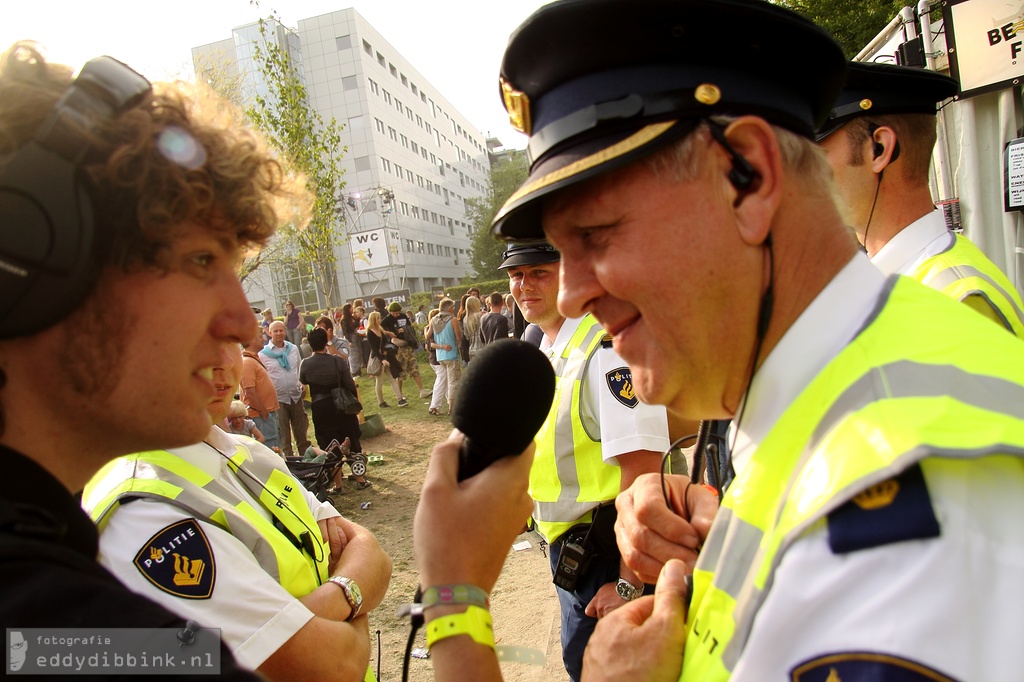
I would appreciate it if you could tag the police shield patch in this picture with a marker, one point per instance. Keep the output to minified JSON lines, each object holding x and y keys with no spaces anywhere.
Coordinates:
{"x":179,"y":561}
{"x":620,"y":383}
{"x":865,"y":666}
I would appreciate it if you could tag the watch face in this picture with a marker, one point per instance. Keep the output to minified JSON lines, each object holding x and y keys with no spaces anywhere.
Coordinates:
{"x":357,"y":594}
{"x":626,"y":590}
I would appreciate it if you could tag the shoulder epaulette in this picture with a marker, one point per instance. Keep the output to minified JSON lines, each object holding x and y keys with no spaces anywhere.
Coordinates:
{"x":894,"y":510}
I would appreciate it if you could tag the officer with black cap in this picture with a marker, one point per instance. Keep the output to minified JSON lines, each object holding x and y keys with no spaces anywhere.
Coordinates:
{"x":878,"y":425}
{"x":882,"y":127}
{"x":597,"y":439}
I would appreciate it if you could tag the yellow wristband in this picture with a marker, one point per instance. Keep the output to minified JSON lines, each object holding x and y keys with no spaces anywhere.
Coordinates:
{"x":475,"y":622}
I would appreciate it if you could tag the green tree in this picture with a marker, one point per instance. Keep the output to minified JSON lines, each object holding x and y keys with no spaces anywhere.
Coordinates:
{"x":313,"y":147}
{"x":505,"y":178}
{"x":853,"y":23}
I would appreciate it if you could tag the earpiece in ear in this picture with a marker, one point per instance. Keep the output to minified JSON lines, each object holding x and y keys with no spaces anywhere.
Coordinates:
{"x":742,"y":175}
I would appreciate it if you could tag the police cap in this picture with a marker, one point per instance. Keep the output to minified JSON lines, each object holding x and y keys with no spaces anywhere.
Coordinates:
{"x":529,"y":254}
{"x":874,"y":89}
{"x":598,"y":84}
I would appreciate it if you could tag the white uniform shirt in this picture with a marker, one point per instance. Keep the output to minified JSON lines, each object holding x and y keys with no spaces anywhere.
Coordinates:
{"x":621,"y":429}
{"x":255,"y":613}
{"x":286,"y":381}
{"x":925,"y":237}
{"x":950,"y":603}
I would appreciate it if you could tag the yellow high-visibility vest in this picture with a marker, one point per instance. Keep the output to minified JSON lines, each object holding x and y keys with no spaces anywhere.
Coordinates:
{"x":884,"y":404}
{"x":297,"y":563}
{"x":569,"y":476}
{"x":965,"y":274}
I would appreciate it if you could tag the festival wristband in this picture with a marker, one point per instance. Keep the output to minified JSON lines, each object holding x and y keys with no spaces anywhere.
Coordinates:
{"x":444,"y":595}
{"x":475,"y":622}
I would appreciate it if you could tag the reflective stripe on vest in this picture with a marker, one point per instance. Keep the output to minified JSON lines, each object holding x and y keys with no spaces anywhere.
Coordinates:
{"x":963,"y":270}
{"x":880,"y":406}
{"x":166,"y":477}
{"x":569,"y":477}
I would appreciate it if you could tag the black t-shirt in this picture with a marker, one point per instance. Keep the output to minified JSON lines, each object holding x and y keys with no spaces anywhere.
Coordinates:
{"x":494,"y":327}
{"x":49,"y":576}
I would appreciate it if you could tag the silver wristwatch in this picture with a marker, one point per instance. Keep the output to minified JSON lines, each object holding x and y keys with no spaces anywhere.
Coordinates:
{"x":353,"y":595}
{"x":627,"y":590}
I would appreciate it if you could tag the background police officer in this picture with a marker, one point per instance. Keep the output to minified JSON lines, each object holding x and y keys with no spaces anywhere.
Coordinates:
{"x":597,"y":439}
{"x":879,"y":139}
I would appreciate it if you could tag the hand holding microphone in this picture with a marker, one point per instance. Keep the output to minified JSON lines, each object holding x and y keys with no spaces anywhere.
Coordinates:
{"x":465,"y":522}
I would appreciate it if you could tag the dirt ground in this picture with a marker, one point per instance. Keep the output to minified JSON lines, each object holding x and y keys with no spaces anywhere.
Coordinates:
{"x":523,"y":604}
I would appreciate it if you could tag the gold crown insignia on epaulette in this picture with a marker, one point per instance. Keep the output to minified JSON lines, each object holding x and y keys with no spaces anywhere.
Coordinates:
{"x":606,"y":341}
{"x":878,"y":496}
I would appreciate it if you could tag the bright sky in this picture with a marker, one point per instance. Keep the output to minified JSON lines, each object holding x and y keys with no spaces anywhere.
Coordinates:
{"x":456,"y":44}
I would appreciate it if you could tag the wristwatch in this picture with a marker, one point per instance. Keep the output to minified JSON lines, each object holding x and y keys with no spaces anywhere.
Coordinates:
{"x":627,"y":590}
{"x":353,"y":595}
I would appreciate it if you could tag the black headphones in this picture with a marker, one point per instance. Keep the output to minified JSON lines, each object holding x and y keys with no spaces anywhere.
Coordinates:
{"x":742,"y":175}
{"x":877,"y":148}
{"x":49,"y":241}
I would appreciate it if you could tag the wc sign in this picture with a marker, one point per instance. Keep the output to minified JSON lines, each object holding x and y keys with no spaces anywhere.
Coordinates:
{"x":985,"y":41}
{"x":375,"y":249}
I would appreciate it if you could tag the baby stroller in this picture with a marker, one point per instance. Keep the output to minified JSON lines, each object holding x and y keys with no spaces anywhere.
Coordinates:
{"x":317,"y":475}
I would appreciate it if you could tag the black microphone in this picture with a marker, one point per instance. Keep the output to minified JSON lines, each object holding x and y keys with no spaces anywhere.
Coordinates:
{"x":504,"y":397}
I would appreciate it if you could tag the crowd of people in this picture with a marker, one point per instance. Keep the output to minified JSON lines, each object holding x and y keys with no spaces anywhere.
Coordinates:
{"x":736,"y":230}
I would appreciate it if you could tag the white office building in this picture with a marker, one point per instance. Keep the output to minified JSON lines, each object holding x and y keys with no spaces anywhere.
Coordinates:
{"x":411,"y":163}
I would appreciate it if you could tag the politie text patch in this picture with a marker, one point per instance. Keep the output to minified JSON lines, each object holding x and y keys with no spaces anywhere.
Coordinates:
{"x":620,"y":383}
{"x":179,"y":561}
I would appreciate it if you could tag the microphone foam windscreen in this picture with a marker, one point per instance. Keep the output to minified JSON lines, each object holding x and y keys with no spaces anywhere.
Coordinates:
{"x":504,"y":397}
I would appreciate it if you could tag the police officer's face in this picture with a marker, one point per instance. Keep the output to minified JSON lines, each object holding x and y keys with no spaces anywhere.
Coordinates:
{"x":659,"y":263}
{"x":855,"y":180}
{"x":535,"y":288}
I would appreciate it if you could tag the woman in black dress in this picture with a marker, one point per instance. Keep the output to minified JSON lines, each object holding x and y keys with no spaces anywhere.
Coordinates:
{"x":323,"y":372}
{"x":385,"y":352}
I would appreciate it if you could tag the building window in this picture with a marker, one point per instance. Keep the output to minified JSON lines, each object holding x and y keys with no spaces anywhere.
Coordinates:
{"x":415,"y":148}
{"x":394,"y":71}
{"x":381,"y":60}
{"x":419,"y":180}
{"x":349,"y":83}
{"x":416,"y":212}
{"x":408,"y":245}
{"x":404,"y":207}
{"x":385,"y":164}
{"x":408,"y":113}
{"x":405,"y":141}
{"x":374,"y":88}
{"x":387,"y":97}
{"x":430,"y":249}
{"x":415,"y":91}
{"x":393,"y":133}
{"x":408,"y":174}
{"x":398,"y":105}
{"x":420,"y":248}
{"x":362,"y":163}
{"x":380,"y":125}
{"x":430,"y":186}
{"x":398,"y":170}
{"x":419,"y":120}
{"x":344,"y":42}
{"x":367,"y":48}
{"x":405,"y":81}
{"x":423,"y":96}
{"x":423,"y":152}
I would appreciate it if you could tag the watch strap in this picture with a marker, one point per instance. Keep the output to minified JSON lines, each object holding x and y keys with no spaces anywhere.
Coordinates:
{"x":474,"y":621}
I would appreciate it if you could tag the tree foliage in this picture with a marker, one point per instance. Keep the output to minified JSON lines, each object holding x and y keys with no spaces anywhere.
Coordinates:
{"x":853,"y":23}
{"x":505,"y":178}
{"x":284,"y":115}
